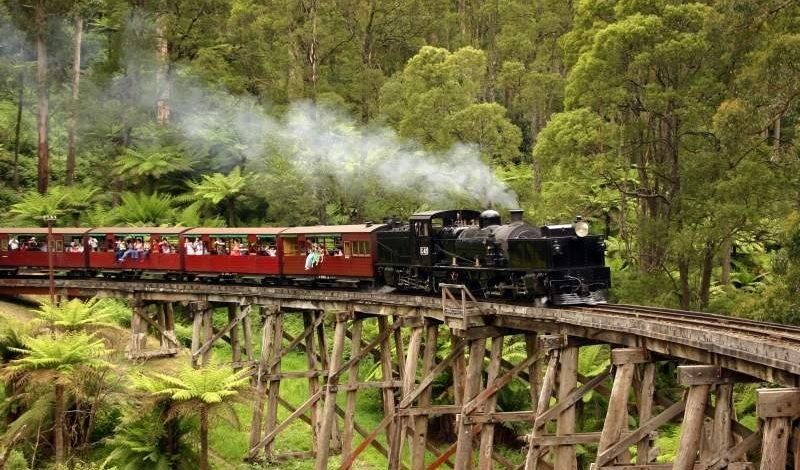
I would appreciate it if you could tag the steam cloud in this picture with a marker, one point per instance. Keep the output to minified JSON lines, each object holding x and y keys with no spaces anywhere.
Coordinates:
{"x":327,"y":144}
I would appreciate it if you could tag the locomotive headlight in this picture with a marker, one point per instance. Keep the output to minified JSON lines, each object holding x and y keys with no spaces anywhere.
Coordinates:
{"x":581,"y":227}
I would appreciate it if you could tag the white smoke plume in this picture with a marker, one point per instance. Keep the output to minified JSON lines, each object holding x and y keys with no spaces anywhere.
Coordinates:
{"x":324,"y":143}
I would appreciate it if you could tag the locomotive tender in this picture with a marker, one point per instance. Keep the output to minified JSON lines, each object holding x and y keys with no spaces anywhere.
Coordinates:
{"x":555,"y":264}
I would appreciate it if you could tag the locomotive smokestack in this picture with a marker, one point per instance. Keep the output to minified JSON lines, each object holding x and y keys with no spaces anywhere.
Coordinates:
{"x":516,"y":215}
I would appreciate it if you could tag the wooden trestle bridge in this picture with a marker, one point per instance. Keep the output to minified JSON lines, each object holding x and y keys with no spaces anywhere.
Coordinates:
{"x":711,"y":354}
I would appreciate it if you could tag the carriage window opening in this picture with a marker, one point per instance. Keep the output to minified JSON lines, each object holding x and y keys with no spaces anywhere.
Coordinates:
{"x":75,"y":245}
{"x":265,"y":245}
{"x":166,"y":244}
{"x":4,"y":244}
{"x":95,"y":242}
{"x":361,"y":248}
{"x":437,"y":223}
{"x":290,"y":246}
{"x":332,"y":244}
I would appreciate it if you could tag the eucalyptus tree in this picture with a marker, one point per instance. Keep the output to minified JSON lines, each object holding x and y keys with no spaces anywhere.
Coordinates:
{"x":646,"y":114}
{"x":436,"y":100}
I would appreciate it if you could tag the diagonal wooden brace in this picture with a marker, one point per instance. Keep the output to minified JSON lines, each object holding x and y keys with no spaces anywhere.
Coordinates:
{"x":207,"y":345}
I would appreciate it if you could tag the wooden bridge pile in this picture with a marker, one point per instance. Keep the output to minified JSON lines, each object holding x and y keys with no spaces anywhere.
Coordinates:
{"x":708,"y":362}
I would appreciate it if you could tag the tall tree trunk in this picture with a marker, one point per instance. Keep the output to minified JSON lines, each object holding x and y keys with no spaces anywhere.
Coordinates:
{"x":43,"y":168}
{"x":312,"y":49}
{"x":162,"y":75}
{"x":58,"y":428}
{"x":170,"y":438}
{"x":18,"y":127}
{"x":203,"y":437}
{"x":77,"y":38}
{"x":705,"y":278}
{"x":230,"y":210}
{"x":366,"y":62}
{"x":776,"y":138}
{"x":462,"y":22}
{"x":685,"y":294}
{"x":727,"y":250}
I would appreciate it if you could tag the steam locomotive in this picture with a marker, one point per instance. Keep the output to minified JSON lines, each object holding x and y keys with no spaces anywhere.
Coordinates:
{"x":557,"y":264}
{"x":554,"y":264}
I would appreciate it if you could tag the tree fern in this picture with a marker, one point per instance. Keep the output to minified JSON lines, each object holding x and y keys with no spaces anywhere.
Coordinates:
{"x":78,"y":315}
{"x":201,"y":391}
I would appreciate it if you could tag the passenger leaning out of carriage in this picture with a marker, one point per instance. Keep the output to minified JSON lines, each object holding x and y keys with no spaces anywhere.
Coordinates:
{"x":315,"y":256}
{"x":124,"y":250}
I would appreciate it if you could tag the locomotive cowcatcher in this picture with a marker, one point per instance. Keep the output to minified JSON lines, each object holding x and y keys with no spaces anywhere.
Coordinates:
{"x":556,"y":264}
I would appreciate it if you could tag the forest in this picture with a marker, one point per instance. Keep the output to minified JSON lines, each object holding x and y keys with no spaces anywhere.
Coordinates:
{"x":672,"y":126}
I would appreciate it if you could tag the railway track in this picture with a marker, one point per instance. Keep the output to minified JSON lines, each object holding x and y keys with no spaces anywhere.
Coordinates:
{"x":749,"y":327}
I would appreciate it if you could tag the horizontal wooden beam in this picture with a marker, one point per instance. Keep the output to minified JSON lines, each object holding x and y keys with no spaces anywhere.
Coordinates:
{"x":699,"y":375}
{"x":500,"y":417}
{"x":436,"y":410}
{"x":148,"y":354}
{"x":778,"y":403}
{"x":568,"y":440}
{"x":621,"y":356}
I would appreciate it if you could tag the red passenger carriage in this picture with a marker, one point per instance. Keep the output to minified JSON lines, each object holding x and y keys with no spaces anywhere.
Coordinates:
{"x":346,"y":252}
{"x":113,"y":249}
{"x":246,"y":252}
{"x":28,"y":248}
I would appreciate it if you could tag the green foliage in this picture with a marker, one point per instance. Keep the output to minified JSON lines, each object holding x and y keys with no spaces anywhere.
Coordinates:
{"x":143,"y":167}
{"x":209,"y":385}
{"x":435,"y":100}
{"x":12,"y":334}
{"x":67,"y":203}
{"x":78,"y":315}
{"x":144,"y":210}
{"x":140,"y":440}
{"x":61,"y":354}
{"x":213,"y":190}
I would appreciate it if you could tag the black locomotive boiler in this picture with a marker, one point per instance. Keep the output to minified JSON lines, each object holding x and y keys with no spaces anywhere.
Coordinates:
{"x":553,"y":264}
